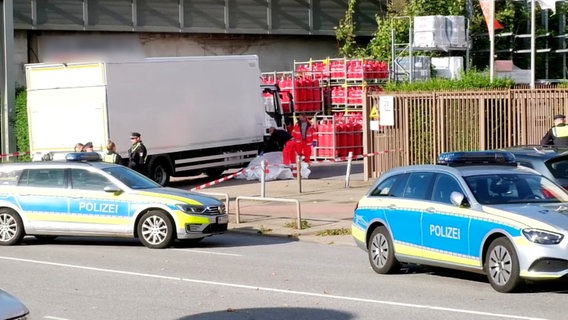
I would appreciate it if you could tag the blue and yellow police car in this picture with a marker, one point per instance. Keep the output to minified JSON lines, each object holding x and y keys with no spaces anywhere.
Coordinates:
{"x":473,"y":211}
{"x":86,"y":197}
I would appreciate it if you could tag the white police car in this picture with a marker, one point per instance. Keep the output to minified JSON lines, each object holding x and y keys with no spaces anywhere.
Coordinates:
{"x":93,"y":198}
{"x":475,"y":211}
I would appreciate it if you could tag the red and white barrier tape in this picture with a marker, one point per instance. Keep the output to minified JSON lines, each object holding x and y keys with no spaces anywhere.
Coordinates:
{"x":360,"y":156}
{"x":292,"y":167}
{"x":231,"y":176}
{"x":14,"y":154}
{"x":214,"y":182}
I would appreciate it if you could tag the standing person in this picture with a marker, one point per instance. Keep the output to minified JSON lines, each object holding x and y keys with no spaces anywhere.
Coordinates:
{"x":558,"y":134}
{"x":283,"y":141}
{"x":88,"y":147}
{"x":303,"y":134}
{"x":111,"y":156}
{"x":137,"y":154}
{"x":79,"y":147}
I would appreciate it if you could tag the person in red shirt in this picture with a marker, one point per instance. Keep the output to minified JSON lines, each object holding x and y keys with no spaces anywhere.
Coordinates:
{"x":303,"y":135}
{"x":282,"y":140}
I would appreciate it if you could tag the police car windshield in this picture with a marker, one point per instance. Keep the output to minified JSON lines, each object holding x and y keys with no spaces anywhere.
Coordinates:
{"x":514,"y":188}
{"x":131,"y":178}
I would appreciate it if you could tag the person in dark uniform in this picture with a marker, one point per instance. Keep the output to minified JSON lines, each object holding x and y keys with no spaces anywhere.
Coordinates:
{"x":282,"y":141}
{"x":557,"y":135}
{"x":278,"y":139}
{"x":137,"y":154}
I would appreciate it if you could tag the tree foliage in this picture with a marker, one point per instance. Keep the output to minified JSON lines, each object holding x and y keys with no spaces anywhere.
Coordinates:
{"x":513,"y":15}
{"x":21,"y":123}
{"x":345,"y":32}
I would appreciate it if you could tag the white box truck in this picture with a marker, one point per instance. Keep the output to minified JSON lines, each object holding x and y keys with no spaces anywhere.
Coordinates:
{"x":195,"y":114}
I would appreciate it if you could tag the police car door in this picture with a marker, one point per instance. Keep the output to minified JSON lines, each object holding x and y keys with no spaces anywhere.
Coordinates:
{"x":93,"y":209}
{"x":404,"y":212}
{"x":42,"y":195}
{"x":445,"y":226}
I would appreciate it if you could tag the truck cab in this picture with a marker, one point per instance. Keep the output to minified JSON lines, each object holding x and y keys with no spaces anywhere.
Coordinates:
{"x":275,"y":114}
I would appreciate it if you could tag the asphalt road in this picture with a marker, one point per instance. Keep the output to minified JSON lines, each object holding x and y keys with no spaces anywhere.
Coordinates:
{"x":239,"y":276}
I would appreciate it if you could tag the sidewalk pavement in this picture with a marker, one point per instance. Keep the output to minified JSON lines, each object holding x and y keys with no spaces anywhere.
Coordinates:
{"x":326,"y":205}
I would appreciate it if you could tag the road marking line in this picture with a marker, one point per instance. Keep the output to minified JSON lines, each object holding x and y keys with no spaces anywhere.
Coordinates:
{"x":208,"y":252}
{"x":54,"y":318}
{"x":255,"y":288}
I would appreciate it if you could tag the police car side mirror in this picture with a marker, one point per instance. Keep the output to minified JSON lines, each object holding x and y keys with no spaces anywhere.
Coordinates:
{"x":112,"y":189}
{"x":459,"y":200}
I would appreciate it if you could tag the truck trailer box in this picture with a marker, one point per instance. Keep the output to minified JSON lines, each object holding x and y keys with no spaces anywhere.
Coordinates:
{"x":195,"y":114}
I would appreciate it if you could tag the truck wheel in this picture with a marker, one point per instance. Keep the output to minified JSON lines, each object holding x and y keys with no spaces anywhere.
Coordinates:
{"x":214,"y":173}
{"x":156,"y":230}
{"x":160,"y":172}
{"x":11,"y":227}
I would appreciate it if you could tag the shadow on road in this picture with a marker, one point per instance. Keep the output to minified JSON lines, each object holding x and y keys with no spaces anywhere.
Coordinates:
{"x":285,"y":313}
{"x":226,"y":240}
{"x":552,"y":286}
{"x":235,"y":239}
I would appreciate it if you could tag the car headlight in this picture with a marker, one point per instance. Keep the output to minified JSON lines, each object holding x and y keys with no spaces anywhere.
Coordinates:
{"x":542,"y":237}
{"x":187,"y":208}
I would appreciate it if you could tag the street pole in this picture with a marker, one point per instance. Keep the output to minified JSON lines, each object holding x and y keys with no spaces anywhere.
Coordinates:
{"x":7,"y":85}
{"x":533,"y":44}
{"x":491,"y":25}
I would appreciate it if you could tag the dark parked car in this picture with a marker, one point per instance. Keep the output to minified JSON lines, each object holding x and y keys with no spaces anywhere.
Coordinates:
{"x":550,"y":161}
{"x":11,"y":308}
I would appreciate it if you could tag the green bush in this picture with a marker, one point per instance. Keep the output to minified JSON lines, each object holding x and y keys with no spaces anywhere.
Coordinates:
{"x":21,"y":124}
{"x":468,"y":81}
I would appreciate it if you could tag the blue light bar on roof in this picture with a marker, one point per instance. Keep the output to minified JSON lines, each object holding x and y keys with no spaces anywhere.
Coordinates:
{"x":83,"y":156}
{"x":477,"y":158}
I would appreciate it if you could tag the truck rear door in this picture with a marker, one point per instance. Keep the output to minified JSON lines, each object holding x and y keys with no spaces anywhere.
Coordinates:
{"x":66,"y":105}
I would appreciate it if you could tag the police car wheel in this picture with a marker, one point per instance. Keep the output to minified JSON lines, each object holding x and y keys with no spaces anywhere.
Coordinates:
{"x":156,"y":230}
{"x":11,"y":227}
{"x":502,"y":266}
{"x":381,"y":252}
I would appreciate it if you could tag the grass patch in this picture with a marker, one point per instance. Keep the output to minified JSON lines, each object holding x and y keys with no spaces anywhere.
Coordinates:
{"x":294,"y":224}
{"x":264,"y":230}
{"x":334,"y":232}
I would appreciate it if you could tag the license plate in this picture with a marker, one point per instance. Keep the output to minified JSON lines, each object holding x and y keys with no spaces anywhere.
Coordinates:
{"x":223,"y":219}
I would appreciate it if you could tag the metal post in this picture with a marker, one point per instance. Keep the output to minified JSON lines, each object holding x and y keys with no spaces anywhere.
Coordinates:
{"x":491,"y":25}
{"x":295,"y":201}
{"x":410,"y":52}
{"x":533,"y":44}
{"x":7,"y":85}
{"x":393,"y":56}
{"x":298,"y":172}
{"x":263,"y":179}
{"x":348,"y":171}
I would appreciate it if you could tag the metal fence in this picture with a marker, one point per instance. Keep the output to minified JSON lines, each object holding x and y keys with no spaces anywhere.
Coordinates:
{"x":426,"y":124}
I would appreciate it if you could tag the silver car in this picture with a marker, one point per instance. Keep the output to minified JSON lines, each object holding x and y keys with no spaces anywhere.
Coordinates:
{"x":11,"y":308}
{"x":474,"y":211}
{"x":93,"y":198}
